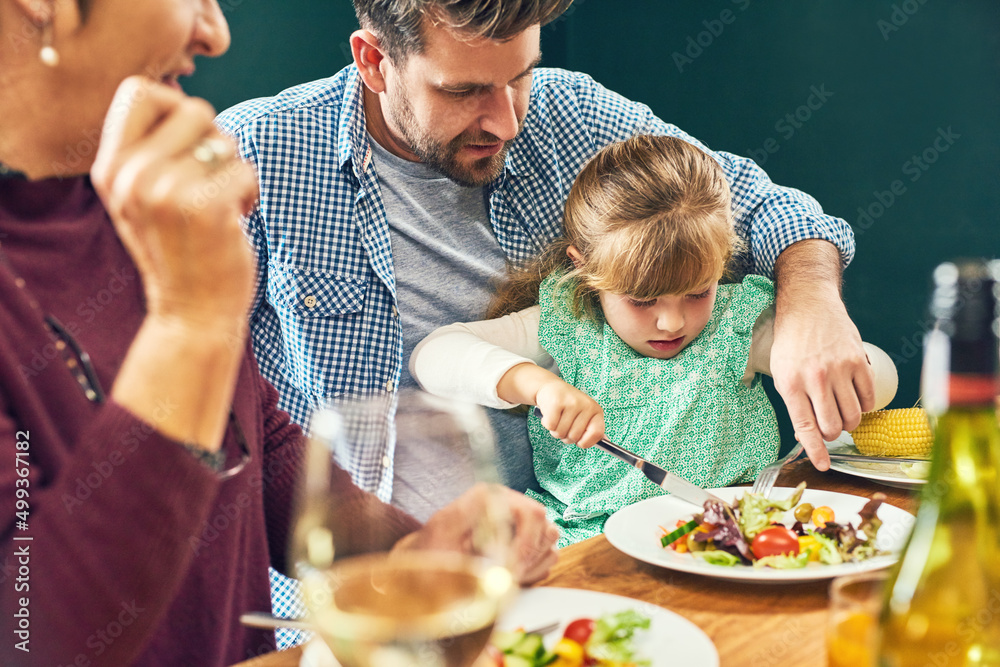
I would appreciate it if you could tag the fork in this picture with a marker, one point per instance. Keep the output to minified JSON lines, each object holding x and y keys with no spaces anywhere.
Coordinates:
{"x":769,"y":474}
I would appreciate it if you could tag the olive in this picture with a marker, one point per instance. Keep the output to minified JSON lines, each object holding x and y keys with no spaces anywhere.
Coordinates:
{"x":803,"y":512}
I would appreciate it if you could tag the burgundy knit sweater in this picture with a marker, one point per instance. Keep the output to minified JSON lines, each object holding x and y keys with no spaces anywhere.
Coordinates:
{"x":126,"y":549}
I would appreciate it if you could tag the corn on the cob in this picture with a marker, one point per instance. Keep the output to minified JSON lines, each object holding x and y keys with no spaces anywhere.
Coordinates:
{"x":902,"y":432}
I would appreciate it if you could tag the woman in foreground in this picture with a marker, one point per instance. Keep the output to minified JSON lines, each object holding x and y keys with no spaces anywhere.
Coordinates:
{"x":147,"y":469}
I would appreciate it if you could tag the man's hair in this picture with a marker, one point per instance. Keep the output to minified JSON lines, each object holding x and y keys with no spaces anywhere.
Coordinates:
{"x":398,"y":23}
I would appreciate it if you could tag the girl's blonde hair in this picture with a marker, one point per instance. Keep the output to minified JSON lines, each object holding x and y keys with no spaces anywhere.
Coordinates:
{"x":650,"y":215}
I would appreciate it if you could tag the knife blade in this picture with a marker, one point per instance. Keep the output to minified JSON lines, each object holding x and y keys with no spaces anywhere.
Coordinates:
{"x":861,"y":458}
{"x":663,"y":478}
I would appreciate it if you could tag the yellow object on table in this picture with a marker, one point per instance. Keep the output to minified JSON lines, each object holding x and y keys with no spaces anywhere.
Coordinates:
{"x":902,"y":432}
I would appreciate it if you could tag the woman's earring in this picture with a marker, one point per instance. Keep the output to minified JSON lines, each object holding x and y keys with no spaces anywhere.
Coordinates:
{"x":48,"y":55}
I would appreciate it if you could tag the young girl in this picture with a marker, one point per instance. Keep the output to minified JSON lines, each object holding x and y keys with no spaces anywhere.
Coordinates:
{"x":649,"y":348}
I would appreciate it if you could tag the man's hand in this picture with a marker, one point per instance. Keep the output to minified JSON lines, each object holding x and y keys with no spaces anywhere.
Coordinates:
{"x":531,"y":551}
{"x":818,"y":362}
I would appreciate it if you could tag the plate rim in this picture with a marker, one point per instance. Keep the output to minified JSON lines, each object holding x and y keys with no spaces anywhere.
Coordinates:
{"x":745,"y":574}
{"x":899,"y":482}
{"x":845,"y":443}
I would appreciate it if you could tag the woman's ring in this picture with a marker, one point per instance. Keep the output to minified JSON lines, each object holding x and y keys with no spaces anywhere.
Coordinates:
{"x":210,"y":152}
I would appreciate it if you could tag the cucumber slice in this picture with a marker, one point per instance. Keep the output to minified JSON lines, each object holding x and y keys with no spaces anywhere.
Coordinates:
{"x":510,"y":660}
{"x":677,"y":534}
{"x":530,"y":647}
{"x":506,"y":640}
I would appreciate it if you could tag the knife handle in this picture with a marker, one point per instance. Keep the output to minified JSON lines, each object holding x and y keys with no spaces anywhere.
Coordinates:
{"x":611,"y":448}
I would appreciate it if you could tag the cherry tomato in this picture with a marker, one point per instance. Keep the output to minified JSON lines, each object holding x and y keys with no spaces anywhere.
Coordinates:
{"x":580,"y":630}
{"x":491,"y":656}
{"x":822,"y":516}
{"x":775,"y":542}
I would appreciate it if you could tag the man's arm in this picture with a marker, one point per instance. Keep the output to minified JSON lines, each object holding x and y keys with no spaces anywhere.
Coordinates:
{"x":817,"y":360}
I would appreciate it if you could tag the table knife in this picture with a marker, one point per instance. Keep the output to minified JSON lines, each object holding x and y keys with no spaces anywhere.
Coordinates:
{"x":861,"y":458}
{"x":666,"y":480}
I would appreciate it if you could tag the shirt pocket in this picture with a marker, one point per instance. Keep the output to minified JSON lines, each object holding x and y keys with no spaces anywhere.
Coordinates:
{"x":320,"y":315}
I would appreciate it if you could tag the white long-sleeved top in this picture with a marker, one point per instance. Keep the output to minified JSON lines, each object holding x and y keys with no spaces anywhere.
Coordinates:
{"x":466,"y":360}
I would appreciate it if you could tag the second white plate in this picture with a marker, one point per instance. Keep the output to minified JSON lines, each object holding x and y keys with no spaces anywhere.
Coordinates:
{"x":671,"y":639}
{"x":634,"y":530}
{"x":890,"y":474}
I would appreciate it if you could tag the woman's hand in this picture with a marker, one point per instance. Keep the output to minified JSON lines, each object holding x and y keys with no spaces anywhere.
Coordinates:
{"x":176,"y":190}
{"x":532,"y":551}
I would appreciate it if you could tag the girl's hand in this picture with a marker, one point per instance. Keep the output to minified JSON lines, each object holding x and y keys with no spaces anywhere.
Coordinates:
{"x":175,"y":189}
{"x":569,"y":414}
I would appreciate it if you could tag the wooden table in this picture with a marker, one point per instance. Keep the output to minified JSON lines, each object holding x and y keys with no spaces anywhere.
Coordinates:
{"x":752,"y":625}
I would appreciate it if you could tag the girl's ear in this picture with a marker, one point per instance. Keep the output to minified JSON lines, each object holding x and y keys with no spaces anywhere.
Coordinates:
{"x":575,"y":255}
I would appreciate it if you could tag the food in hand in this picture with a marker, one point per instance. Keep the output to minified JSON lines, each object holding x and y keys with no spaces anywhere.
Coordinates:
{"x":751,"y":532}
{"x":904,"y":432}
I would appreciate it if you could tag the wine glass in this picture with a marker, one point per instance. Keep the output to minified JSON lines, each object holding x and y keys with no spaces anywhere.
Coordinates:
{"x":433,"y":606}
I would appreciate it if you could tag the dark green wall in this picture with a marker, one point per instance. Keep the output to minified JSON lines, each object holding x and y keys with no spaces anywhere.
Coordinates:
{"x":895,"y":77}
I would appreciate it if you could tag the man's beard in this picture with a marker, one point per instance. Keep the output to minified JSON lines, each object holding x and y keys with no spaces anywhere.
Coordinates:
{"x":443,"y":158}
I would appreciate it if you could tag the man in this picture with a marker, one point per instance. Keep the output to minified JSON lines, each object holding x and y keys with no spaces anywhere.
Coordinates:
{"x":393,"y":192}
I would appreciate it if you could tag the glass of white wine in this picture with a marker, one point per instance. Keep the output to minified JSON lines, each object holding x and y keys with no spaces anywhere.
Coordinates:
{"x":433,"y":607}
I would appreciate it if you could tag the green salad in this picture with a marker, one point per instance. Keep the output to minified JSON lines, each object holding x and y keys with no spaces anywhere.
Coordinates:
{"x":607,"y":641}
{"x":782,"y":534}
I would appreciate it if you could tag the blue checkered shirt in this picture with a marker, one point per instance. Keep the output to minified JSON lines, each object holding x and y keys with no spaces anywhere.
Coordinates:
{"x":324,"y":321}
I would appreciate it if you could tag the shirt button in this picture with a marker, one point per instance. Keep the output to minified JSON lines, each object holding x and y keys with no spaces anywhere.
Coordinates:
{"x":310,"y":301}
{"x":395,"y":313}
{"x":389,"y":385}
{"x":386,"y":461}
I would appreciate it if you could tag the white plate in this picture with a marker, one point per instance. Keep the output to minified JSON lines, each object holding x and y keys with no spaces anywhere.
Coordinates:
{"x":670,"y":640}
{"x":635,"y":531}
{"x":890,"y":474}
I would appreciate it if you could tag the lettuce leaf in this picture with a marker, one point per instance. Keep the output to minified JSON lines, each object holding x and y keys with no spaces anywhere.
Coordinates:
{"x":829,"y":551}
{"x":726,"y":534}
{"x":870,"y":523}
{"x":613,"y":635}
{"x":717,"y":557}
{"x":757,"y":512}
{"x":784,"y":561}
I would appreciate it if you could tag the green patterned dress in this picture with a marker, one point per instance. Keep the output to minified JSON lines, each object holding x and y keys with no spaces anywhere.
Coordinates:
{"x":691,"y":414}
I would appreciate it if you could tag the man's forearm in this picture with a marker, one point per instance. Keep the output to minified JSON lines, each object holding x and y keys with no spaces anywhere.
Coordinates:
{"x":807,"y":272}
{"x":818,"y":361}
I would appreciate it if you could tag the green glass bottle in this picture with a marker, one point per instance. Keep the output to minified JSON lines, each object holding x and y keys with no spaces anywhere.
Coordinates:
{"x":942,"y":605}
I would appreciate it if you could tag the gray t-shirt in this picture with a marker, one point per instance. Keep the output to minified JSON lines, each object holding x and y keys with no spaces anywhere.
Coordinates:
{"x":444,"y":254}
